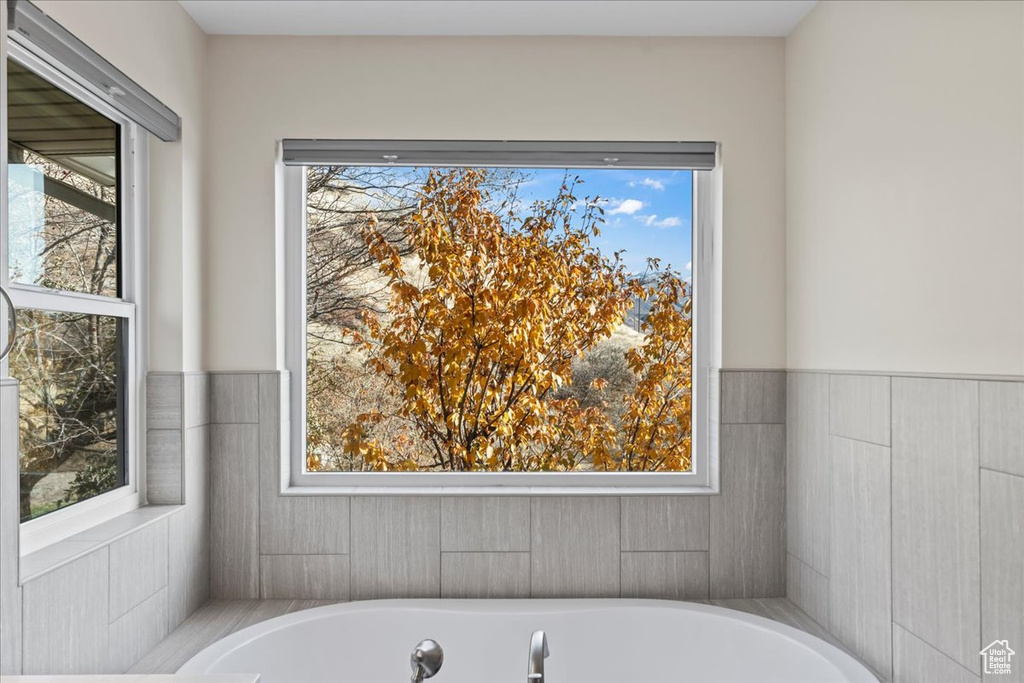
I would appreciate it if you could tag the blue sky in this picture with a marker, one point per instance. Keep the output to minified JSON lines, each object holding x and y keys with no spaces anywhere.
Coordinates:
{"x":647,"y":213}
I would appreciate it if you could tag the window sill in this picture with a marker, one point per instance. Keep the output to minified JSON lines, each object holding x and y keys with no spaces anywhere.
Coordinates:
{"x":68,"y":550}
{"x":499,"y":491}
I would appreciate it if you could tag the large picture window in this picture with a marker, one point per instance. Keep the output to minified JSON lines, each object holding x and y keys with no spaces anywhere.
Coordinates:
{"x":69,"y":260}
{"x":510,"y":323}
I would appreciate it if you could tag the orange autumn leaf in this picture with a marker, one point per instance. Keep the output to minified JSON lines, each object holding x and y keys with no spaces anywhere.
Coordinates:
{"x":479,"y":341}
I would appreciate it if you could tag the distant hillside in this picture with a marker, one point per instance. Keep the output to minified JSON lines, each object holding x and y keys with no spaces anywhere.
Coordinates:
{"x":639,"y":311}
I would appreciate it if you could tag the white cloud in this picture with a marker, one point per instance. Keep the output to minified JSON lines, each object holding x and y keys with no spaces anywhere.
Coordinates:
{"x":652,"y":221}
{"x":588,"y":203}
{"x":649,"y":182}
{"x":689,"y":265}
{"x":627,"y":206}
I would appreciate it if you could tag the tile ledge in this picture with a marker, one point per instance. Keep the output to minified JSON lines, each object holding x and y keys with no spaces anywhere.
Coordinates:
{"x":137,"y":678}
{"x":173,"y":373}
{"x":738,"y":370}
{"x":65,"y":551}
{"x":912,"y":375}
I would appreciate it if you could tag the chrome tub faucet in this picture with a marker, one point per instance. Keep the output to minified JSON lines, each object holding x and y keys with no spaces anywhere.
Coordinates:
{"x":538,"y":653}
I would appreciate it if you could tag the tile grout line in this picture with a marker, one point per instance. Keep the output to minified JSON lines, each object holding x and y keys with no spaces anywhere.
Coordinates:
{"x":109,"y":622}
{"x":664,"y":552}
{"x":21,"y":594}
{"x":830,"y":465}
{"x":892,"y":564}
{"x":259,"y":482}
{"x":529,"y":521}
{"x":181,"y":443}
{"x":349,"y":545}
{"x":981,"y":591}
{"x":934,"y":649}
{"x":440,"y":558}
{"x":865,"y":441}
{"x":167,"y":611}
{"x":184,"y":501}
{"x":797,"y":559}
{"x":1003,"y":472}
{"x":485,"y":552}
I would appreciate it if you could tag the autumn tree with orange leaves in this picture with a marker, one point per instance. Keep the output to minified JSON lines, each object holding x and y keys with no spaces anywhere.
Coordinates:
{"x":488,"y":310}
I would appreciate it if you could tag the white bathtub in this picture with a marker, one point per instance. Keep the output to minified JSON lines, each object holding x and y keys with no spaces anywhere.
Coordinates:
{"x":487,"y":641}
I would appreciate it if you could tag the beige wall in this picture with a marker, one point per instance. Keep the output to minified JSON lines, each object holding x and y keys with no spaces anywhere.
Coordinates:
{"x":905,"y":221}
{"x":262,"y":89}
{"x":158,"y":45}
{"x":891,"y":256}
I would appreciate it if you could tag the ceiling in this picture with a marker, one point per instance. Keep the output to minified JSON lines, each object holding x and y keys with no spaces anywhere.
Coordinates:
{"x":499,"y":17}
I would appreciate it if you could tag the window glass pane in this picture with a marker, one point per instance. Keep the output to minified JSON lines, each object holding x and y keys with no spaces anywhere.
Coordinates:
{"x":62,"y":188}
{"x":500,"y":319}
{"x":69,"y":368}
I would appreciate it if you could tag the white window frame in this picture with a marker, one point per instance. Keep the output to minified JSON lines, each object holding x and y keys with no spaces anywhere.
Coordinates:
{"x":59,"y":524}
{"x":702,"y":480}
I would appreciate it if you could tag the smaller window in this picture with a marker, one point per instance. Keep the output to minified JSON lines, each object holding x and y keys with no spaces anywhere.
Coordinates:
{"x":66,"y":258}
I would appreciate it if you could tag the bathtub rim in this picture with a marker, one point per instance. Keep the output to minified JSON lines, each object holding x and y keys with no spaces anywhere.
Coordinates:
{"x":849,"y":666}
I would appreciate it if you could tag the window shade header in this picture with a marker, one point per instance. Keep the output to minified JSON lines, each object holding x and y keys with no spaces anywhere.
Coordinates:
{"x":29,"y":26}
{"x":530,"y":154}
